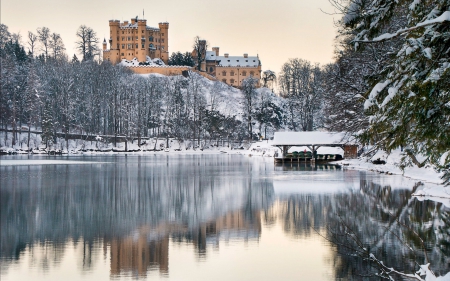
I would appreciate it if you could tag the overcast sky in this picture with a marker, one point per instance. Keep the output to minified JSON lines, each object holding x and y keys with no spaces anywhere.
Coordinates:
{"x":275,"y":30}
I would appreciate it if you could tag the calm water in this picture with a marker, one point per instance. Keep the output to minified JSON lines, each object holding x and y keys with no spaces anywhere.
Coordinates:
{"x":210,"y":217}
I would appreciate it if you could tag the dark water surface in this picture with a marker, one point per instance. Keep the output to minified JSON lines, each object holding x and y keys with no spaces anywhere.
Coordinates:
{"x":210,"y":217}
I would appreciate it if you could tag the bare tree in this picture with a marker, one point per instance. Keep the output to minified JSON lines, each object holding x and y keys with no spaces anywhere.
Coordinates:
{"x":199,"y":53}
{"x":87,"y":42}
{"x":56,"y":46}
{"x":5,"y":35}
{"x":32,"y":41}
{"x":44,"y":38}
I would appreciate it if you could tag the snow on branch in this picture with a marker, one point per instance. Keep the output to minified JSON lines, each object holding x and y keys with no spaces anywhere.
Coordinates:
{"x":445,"y":17}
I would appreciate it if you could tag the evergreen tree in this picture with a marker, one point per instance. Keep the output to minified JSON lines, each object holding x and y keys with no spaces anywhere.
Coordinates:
{"x":248,"y":89}
{"x":409,"y":101}
{"x":47,"y":125}
{"x":188,"y":59}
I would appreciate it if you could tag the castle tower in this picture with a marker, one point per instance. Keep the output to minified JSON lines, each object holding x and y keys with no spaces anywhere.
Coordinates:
{"x":164,"y":41}
{"x":113,"y":54}
{"x":141,"y":52}
{"x":104,"y":44}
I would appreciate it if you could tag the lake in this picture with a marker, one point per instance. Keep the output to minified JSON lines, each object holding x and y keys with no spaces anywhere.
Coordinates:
{"x":210,"y":217}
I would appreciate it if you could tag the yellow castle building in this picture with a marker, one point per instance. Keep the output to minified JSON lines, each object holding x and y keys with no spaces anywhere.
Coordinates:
{"x":129,"y":40}
{"x":145,"y":49}
{"x":231,"y":70}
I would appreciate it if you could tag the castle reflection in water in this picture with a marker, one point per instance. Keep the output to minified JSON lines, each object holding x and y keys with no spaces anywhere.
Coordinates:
{"x":148,"y":248}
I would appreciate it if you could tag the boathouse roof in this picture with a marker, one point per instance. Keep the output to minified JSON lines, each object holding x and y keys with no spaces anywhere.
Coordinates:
{"x":310,"y":138}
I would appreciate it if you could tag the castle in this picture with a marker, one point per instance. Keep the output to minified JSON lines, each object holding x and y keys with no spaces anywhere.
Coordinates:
{"x":135,"y":39}
{"x":231,"y":70}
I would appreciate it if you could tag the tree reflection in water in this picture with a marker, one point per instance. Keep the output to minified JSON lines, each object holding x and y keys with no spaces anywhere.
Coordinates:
{"x":133,"y":207}
{"x":398,"y":230}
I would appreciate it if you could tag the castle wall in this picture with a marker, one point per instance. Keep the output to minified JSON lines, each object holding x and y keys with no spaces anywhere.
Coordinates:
{"x":234,"y":76}
{"x":164,"y":70}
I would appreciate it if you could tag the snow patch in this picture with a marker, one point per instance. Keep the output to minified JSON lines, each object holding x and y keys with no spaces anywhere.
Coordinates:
{"x":374,"y":93}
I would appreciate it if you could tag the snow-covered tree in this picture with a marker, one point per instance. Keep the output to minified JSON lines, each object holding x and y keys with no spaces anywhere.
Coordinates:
{"x":302,"y":85}
{"x":268,"y":113}
{"x":248,"y":89}
{"x":269,"y":78}
{"x":408,"y":103}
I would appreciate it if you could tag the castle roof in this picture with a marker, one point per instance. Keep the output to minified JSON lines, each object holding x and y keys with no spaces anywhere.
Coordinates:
{"x":250,"y":61}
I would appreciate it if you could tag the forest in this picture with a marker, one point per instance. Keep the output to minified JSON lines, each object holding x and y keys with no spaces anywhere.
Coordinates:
{"x":388,"y":87}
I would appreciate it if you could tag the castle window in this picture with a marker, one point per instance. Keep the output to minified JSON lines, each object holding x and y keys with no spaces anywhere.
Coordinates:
{"x":117,"y":45}
{"x":136,"y":38}
{"x":252,"y":73}
{"x":210,"y":69}
{"x":143,"y":46}
{"x":231,"y":81}
{"x":224,"y":80}
{"x":129,"y":46}
{"x":162,"y":34}
{"x":151,"y":46}
{"x":129,"y":38}
{"x":123,"y":46}
{"x":142,"y":31}
{"x":123,"y":38}
{"x":237,"y":60}
{"x":122,"y":54}
{"x":137,"y":46}
{"x":162,"y":40}
{"x":224,"y":73}
{"x":162,"y":48}
{"x":244,"y":73}
{"x":232,"y":73}
{"x":246,"y":60}
{"x":150,"y":39}
{"x":122,"y":32}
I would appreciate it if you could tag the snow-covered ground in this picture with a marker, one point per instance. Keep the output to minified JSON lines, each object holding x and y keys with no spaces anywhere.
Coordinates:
{"x":425,"y":174}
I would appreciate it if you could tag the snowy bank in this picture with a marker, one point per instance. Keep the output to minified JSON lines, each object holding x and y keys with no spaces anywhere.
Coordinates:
{"x":392,"y":166}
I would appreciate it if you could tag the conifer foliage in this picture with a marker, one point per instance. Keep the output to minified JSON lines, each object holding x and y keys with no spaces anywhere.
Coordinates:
{"x":409,"y":103}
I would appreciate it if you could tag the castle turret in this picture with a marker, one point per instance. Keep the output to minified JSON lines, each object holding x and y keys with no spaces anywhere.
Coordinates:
{"x":104,"y":44}
{"x":164,"y":41}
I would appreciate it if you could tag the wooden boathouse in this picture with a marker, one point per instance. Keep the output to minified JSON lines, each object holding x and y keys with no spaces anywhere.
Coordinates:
{"x":312,"y":140}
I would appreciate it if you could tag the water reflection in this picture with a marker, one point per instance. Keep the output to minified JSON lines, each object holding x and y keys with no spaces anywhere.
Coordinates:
{"x":306,"y":166}
{"x":386,"y":221}
{"x":134,"y":204}
{"x":129,"y":212}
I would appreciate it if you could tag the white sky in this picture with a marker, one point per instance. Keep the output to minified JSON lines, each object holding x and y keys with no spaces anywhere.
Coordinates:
{"x":275,"y":30}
